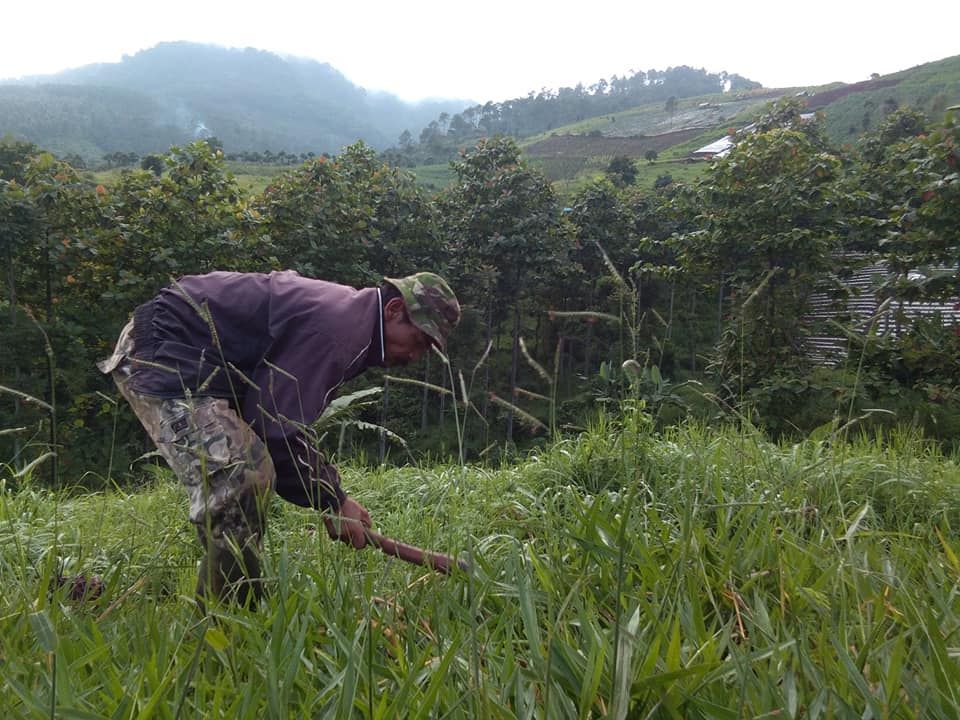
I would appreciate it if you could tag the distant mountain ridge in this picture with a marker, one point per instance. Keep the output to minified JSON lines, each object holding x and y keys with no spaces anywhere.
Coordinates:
{"x":175,"y":92}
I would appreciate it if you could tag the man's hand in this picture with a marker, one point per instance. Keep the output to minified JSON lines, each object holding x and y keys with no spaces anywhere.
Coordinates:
{"x":349,"y":524}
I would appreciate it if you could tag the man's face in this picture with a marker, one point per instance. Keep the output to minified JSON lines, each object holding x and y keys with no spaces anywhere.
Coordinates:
{"x":403,"y":342}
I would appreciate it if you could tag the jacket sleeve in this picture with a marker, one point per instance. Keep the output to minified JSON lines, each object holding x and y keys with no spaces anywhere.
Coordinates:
{"x":286,"y":398}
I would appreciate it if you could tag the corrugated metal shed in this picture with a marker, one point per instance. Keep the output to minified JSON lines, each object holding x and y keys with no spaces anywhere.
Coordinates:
{"x":718,"y":148}
{"x":859,"y":306}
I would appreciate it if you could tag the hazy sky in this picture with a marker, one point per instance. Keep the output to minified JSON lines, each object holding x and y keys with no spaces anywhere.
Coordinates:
{"x":498,"y":49}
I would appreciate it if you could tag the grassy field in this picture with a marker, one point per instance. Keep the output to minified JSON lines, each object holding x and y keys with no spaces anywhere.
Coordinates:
{"x":569,"y":167}
{"x":434,"y":177}
{"x":693,"y":574}
{"x":930,"y":89}
{"x":653,"y":118}
{"x":252,"y":178}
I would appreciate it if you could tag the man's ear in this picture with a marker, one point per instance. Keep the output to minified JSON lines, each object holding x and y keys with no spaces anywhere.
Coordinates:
{"x":394,"y":309}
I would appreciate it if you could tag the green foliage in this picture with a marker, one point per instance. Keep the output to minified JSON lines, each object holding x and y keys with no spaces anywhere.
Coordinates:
{"x":648,"y":566}
{"x":153,"y":228}
{"x":507,"y":237}
{"x":696,"y":574}
{"x":786,"y":114}
{"x":153,"y":163}
{"x":504,"y":219}
{"x":14,"y":155}
{"x":350,"y":219}
{"x":622,"y":171}
{"x":929,"y":88}
{"x":342,"y":415}
{"x":80,"y":256}
{"x":923,"y":356}
{"x":927,"y":216}
{"x":900,"y":125}
{"x":767,"y":226}
{"x":662,"y":181}
{"x":601,"y":214}
{"x":87,"y":256}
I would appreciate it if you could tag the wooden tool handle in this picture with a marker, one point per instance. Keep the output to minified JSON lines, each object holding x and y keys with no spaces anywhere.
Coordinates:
{"x":413,"y":554}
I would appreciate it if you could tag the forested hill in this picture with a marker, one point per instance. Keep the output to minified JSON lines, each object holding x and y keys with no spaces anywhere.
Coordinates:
{"x":549,"y":109}
{"x":250,"y":99}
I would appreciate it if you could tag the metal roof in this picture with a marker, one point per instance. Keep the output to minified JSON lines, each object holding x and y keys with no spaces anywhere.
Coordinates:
{"x":859,"y":306}
{"x":718,"y":148}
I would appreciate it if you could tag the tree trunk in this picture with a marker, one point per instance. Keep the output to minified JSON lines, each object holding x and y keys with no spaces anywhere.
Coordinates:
{"x":691,"y":333}
{"x":47,"y":279}
{"x":514,"y":365}
{"x":486,"y":374}
{"x":536,"y":335}
{"x":720,"y":310}
{"x":673,"y":293}
{"x":51,"y":376}
{"x":566,"y":364}
{"x":12,"y":287}
{"x":588,"y":346}
{"x":634,"y":349}
{"x":52,"y":403}
{"x":669,"y":331}
{"x":588,"y":351}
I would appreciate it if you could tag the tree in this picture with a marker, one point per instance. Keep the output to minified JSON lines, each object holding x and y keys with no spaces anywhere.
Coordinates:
{"x":19,"y":228}
{"x":75,"y":160}
{"x":923,"y":230}
{"x":671,"y":107}
{"x":767,"y":227}
{"x":878,"y":179}
{"x":604,"y":224}
{"x":214,"y":143}
{"x":459,"y":127}
{"x":622,"y":171}
{"x":650,"y":156}
{"x":662,"y":181}
{"x":350,"y":219}
{"x":63,"y":208}
{"x":155,"y":228}
{"x":505,"y":224}
{"x":896,"y":126}
{"x":153,"y":163}
{"x":120,"y":159}
{"x":14,"y":157}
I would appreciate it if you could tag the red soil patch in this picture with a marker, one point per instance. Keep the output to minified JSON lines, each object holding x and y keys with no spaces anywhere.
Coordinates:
{"x":822,"y":99}
{"x":584,"y":146}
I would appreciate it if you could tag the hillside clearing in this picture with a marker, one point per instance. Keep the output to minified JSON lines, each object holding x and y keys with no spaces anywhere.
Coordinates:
{"x":586,"y":146}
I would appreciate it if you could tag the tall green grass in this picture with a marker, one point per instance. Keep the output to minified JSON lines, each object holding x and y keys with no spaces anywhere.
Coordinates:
{"x":694,"y":574}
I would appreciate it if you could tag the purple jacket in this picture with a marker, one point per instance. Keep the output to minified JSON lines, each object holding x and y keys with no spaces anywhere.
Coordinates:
{"x":275,"y":345}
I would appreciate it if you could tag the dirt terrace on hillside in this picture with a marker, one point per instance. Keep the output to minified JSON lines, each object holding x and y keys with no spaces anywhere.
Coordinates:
{"x":822,"y":99}
{"x":582,"y":146}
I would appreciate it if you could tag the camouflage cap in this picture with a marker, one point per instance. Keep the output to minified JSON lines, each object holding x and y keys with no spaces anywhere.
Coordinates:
{"x":430,"y":302}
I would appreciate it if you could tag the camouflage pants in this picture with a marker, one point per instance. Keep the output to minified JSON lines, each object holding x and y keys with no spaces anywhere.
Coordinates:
{"x":225,"y":468}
